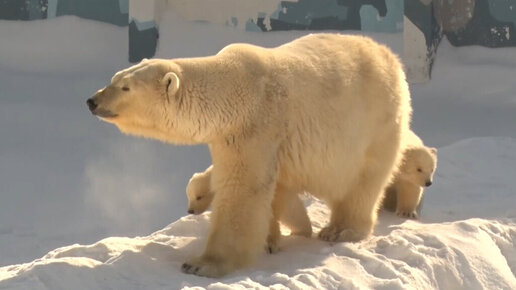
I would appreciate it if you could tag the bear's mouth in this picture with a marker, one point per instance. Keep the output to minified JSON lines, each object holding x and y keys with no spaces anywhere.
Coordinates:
{"x":103,"y":113}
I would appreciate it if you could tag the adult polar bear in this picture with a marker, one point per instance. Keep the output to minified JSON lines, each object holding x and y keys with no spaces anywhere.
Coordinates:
{"x":325,"y":113}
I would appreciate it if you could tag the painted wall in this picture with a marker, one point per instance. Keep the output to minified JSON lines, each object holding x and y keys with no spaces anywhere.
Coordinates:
{"x":423,"y":22}
{"x":479,"y":22}
{"x":274,"y":15}
{"x":111,"y":11}
{"x":23,"y":10}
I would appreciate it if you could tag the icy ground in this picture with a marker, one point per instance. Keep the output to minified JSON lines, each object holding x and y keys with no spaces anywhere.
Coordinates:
{"x":68,"y":179}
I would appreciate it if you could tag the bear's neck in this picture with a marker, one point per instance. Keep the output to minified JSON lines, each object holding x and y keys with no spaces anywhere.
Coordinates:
{"x":203,"y":91}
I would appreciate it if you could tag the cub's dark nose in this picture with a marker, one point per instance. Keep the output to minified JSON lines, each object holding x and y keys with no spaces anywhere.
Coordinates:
{"x":428,"y":183}
{"x":190,"y":211}
{"x":91,"y":104}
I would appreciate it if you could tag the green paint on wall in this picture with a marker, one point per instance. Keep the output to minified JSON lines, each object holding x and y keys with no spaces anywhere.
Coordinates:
{"x":124,"y":6}
{"x":145,"y":25}
{"x":304,"y":11}
{"x":391,"y":23}
{"x":251,"y":26}
{"x":37,"y":9}
{"x":503,"y":10}
{"x":52,"y":8}
{"x":102,"y":10}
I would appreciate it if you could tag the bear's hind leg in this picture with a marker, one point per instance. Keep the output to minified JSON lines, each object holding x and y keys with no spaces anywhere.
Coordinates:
{"x":274,"y":236}
{"x":353,"y":217}
{"x":294,"y":215}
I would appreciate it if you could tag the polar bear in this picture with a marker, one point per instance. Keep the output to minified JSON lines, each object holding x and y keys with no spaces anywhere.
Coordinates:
{"x":416,"y":172}
{"x":290,"y":210}
{"x":325,"y":113}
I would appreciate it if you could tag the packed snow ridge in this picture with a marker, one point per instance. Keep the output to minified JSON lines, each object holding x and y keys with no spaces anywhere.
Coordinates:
{"x":473,"y":253}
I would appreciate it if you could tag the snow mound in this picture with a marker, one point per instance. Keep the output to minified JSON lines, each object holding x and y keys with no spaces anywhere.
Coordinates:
{"x":469,"y":254}
{"x":474,"y":178}
{"x":465,"y":240}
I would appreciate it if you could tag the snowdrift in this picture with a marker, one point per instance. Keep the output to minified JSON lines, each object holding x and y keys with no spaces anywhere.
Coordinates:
{"x":449,"y":253}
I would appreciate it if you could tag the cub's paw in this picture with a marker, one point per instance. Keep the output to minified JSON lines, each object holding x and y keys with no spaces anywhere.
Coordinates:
{"x":332,"y":234}
{"x":407,"y":214}
{"x":272,"y":247}
{"x":329,"y":234}
{"x":206,"y":267}
{"x":302,"y":232}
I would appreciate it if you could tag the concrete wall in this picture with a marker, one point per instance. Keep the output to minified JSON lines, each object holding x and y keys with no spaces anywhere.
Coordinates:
{"x":111,"y":11}
{"x":423,"y":22}
{"x":23,"y":10}
{"x":468,"y":22}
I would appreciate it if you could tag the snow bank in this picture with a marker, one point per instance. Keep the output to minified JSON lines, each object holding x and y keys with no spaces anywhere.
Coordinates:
{"x":472,"y":93}
{"x":474,"y":253}
{"x":470,"y":254}
{"x":474,"y":178}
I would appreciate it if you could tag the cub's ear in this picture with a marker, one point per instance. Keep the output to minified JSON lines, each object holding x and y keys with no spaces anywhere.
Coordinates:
{"x":170,"y":83}
{"x":433,"y":150}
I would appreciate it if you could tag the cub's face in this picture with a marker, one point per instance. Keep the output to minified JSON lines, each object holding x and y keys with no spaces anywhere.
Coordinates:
{"x":199,"y":202}
{"x":198,"y":193}
{"x":136,"y":99}
{"x":419,"y":166}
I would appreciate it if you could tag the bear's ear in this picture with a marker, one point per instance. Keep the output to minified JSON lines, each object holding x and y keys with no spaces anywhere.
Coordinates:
{"x":170,"y":83}
{"x":433,"y":150}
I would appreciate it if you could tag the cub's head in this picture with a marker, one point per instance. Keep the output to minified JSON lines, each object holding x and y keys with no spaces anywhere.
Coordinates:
{"x":199,"y":194}
{"x":138,"y":98}
{"x":419,"y":165}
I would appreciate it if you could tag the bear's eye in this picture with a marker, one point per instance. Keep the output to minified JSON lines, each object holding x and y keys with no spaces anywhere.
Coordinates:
{"x":199,"y":198}
{"x":419,"y":170}
{"x":125,"y":89}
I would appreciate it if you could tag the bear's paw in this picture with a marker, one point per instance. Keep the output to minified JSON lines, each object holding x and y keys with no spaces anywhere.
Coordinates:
{"x":407,"y":214}
{"x":206,"y":267}
{"x":333,"y":234}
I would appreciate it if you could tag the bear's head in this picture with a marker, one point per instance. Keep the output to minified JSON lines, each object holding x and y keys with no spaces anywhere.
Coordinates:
{"x":139,"y":100}
{"x":419,"y":165}
{"x":198,"y":194}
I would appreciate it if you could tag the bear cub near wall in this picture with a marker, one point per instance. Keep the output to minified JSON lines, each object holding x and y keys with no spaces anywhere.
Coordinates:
{"x":415,"y":173}
{"x":325,"y":114}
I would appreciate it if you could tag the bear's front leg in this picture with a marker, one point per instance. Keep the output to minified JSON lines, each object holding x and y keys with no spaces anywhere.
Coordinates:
{"x":408,"y":198}
{"x":244,"y":180}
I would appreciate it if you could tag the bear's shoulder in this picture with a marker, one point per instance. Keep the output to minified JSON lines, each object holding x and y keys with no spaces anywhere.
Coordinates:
{"x":243,"y":49}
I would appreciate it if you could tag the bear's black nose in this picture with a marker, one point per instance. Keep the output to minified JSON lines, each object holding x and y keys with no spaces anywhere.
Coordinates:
{"x":428,"y":183}
{"x":190,"y":211}
{"x":91,"y":104}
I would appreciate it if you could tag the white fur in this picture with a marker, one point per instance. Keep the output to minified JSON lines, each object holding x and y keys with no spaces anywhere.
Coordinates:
{"x":199,"y":193}
{"x":325,"y":113}
{"x":287,"y":208}
{"x":416,"y":172}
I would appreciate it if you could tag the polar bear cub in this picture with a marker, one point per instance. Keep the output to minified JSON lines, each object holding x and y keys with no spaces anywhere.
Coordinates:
{"x":287,"y":208}
{"x":198,"y":192}
{"x":416,"y":172}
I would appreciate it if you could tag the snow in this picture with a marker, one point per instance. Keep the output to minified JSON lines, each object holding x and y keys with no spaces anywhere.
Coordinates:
{"x":85,"y":207}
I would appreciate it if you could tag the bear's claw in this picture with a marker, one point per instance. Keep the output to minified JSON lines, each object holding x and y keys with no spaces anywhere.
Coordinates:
{"x":332,"y":234}
{"x":272,"y":248}
{"x":189,"y":269}
{"x":407,"y":214}
{"x":206,"y":267}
